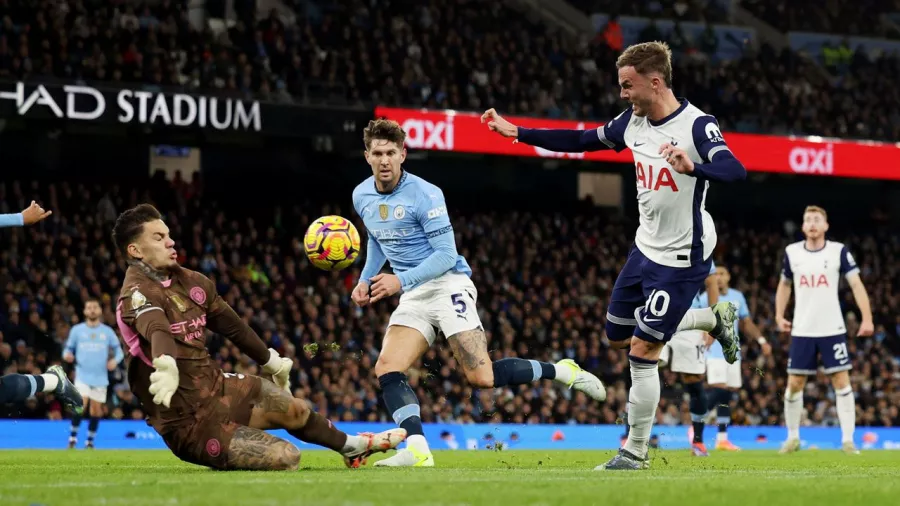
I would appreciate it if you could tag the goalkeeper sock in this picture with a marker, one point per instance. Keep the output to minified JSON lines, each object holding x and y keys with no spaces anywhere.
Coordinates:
{"x":643,"y":399}
{"x":793,"y":410}
{"x":319,"y":430}
{"x":846,"y":411}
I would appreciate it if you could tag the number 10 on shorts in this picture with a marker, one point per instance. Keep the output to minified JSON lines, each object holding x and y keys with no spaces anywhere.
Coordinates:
{"x":657,"y":303}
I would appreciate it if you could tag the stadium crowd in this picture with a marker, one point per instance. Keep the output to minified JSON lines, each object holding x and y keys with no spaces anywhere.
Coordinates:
{"x":543,"y":279}
{"x":470,"y":54}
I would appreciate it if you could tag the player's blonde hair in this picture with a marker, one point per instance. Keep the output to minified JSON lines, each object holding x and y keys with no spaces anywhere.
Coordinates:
{"x":384,"y":129}
{"x":648,"y":58}
{"x":816,"y":209}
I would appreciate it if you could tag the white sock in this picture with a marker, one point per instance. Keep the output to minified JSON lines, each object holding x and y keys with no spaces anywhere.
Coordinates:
{"x":698,"y":319}
{"x":563,"y":374}
{"x":846,"y":411}
{"x":722,"y":436}
{"x":51,"y":381}
{"x":354,"y":444}
{"x":793,"y":409}
{"x":418,"y":442}
{"x":643,"y":400}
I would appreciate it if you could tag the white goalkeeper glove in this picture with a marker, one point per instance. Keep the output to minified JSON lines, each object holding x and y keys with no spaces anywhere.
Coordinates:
{"x":164,"y":381}
{"x":280,"y":369}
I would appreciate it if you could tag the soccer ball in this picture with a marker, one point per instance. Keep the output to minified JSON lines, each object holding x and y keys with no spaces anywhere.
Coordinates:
{"x":331,"y":243}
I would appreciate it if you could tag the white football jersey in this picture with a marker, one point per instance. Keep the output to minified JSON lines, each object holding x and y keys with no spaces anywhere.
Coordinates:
{"x":675,"y":229}
{"x":816,"y":276}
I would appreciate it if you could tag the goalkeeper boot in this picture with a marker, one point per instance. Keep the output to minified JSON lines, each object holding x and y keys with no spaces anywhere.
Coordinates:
{"x":624,"y":461}
{"x":408,"y":457}
{"x":584,"y":381}
{"x":66,"y":392}
{"x":849,"y":448}
{"x":726,"y":316}
{"x":375,"y":443}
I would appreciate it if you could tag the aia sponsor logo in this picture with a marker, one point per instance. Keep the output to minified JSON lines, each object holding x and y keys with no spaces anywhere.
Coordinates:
{"x":813,"y":281}
{"x":654,"y":179}
{"x":805,"y":160}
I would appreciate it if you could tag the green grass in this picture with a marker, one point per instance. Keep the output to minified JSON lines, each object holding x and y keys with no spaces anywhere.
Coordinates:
{"x":511,"y":478}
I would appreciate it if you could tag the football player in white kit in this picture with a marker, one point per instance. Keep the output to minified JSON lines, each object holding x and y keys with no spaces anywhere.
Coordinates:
{"x":685,"y":354}
{"x":677,"y":150}
{"x":813,"y":268}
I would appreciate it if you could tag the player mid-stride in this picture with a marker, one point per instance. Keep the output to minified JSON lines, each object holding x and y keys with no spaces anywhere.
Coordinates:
{"x":677,"y":150}
{"x":813,"y":268}
{"x":408,"y":225}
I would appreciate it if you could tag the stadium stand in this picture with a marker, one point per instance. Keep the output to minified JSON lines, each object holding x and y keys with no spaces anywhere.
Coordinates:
{"x":544,"y":281}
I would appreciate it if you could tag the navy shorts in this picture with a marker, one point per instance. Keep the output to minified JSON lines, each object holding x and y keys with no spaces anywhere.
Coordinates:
{"x":804,"y":353}
{"x":649,"y":300}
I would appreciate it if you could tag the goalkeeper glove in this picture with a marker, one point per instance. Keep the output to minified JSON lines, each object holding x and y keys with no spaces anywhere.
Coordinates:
{"x":164,"y":382}
{"x":280,"y":369}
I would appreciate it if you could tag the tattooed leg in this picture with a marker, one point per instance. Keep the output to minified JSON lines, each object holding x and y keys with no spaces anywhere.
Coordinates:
{"x":470,"y":350}
{"x":277,"y":409}
{"x":254,"y":450}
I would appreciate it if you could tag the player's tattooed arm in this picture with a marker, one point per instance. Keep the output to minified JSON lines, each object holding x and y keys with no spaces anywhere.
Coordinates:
{"x":273,"y":399}
{"x":255,"y":450}
{"x":470,"y":348}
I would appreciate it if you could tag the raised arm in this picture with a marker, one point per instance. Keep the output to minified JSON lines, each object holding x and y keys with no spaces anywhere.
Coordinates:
{"x":608,"y":136}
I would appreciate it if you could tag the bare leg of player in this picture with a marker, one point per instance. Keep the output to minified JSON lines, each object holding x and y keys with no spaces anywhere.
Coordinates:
{"x":277,"y":409}
{"x":256,"y":450}
{"x":470,"y":350}
{"x":793,"y":411}
{"x":401,"y":348}
{"x":846,"y":409}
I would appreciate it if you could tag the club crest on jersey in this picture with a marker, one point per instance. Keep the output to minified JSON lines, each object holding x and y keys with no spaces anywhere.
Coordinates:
{"x":198,"y":295}
{"x":399,"y":213}
{"x":178,"y":302}
{"x":383,"y":211}
{"x":138,"y":299}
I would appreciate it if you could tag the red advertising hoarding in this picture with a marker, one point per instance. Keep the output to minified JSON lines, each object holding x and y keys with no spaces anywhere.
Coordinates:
{"x":463,"y":132}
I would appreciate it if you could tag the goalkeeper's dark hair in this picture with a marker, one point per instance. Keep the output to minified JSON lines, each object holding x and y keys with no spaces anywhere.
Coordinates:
{"x":383,"y":129}
{"x":648,"y":58}
{"x":130,"y":225}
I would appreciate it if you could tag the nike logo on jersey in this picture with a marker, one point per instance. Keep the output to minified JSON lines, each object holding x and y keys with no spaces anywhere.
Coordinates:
{"x":636,"y":144}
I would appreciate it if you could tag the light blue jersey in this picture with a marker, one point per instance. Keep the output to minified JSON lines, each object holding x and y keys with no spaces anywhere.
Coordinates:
{"x":408,"y":227}
{"x":715,"y":351}
{"x":92,"y":347}
{"x":12,"y":220}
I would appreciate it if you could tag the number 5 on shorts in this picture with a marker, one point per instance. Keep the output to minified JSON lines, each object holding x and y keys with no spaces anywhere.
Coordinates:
{"x":457,"y":299}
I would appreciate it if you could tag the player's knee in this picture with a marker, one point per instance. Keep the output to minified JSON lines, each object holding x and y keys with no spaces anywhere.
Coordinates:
{"x":796,"y":383}
{"x":840,"y":380}
{"x":645,"y":349}
{"x":298,"y":413}
{"x":386,"y":364}
{"x":483,"y":377}
{"x":620,"y":345}
{"x":287,"y":457}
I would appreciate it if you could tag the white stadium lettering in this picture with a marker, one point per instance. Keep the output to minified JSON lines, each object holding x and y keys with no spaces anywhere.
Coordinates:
{"x":812,"y":160}
{"x":426,"y":134}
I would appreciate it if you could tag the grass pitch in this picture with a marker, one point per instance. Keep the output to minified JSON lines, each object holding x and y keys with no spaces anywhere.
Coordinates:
{"x":509,"y":478}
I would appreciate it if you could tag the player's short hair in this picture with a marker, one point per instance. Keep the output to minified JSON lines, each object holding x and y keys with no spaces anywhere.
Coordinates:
{"x":816,"y":209}
{"x":130,"y":225}
{"x":648,"y":57}
{"x":92,"y":299}
{"x":383,"y":129}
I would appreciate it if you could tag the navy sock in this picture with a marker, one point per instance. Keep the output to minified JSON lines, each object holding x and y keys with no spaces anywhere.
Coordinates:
{"x":723,"y":411}
{"x":18,"y":387}
{"x":92,"y":428}
{"x":518,"y":371}
{"x":76,"y":421}
{"x":401,"y":402}
{"x":698,"y":407}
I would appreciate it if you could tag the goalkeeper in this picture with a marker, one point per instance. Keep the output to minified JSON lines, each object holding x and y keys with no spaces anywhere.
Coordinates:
{"x":205,"y":416}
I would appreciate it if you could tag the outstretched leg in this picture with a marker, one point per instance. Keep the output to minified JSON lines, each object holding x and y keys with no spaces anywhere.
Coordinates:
{"x":470,"y":349}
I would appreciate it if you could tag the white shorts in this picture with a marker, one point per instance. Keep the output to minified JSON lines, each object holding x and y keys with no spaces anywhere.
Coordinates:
{"x":686,"y":352}
{"x":720,"y":372}
{"x":97,"y":394}
{"x":445,"y":304}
